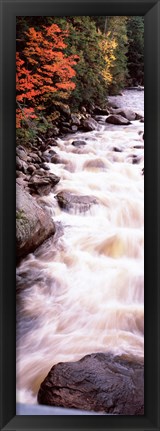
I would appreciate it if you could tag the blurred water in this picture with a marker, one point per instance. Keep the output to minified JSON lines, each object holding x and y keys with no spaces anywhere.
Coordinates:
{"x":83,"y":291}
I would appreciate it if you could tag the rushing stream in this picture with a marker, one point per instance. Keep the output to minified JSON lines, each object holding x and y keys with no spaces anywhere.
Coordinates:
{"x":82,"y":291}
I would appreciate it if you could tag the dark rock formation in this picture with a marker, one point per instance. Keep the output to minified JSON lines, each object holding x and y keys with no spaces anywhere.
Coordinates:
{"x":98,"y":382}
{"x":117,"y":119}
{"x":41,"y":183}
{"x":33,"y":224}
{"x":69,"y":201}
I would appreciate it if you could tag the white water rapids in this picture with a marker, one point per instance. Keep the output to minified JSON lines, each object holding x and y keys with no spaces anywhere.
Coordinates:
{"x":83,"y":290}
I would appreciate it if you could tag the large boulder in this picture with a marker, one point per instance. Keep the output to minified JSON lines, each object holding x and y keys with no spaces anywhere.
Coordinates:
{"x":117,"y":119}
{"x":70,"y":202}
{"x":33,"y":224}
{"x":89,"y":124}
{"x":98,"y":382}
{"x":126,"y":113}
{"x":42,"y":183}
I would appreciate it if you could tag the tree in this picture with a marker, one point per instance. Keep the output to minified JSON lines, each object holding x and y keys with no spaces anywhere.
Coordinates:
{"x":84,"y":39}
{"x":117,"y":30}
{"x":43,"y":71}
{"x":135,"y":55}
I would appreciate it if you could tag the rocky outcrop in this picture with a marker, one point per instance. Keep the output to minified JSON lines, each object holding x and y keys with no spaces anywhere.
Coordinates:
{"x":70,"y":202}
{"x":98,"y":382}
{"x":117,"y":119}
{"x":33,"y":224}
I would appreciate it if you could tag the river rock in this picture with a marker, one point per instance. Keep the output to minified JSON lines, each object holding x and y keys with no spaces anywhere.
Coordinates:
{"x":74,"y":128}
{"x":136,"y":159}
{"x":35,"y":157}
{"x":117,"y":149}
{"x":33,"y":224}
{"x":89,"y":124}
{"x":21,"y":153}
{"x":31,"y":169}
{"x":56,"y":159}
{"x":139,"y":147}
{"x":100,"y":111}
{"x":94,"y":164}
{"x":44,"y":166}
{"x":21,"y":165}
{"x":69,"y":201}
{"x":126,"y":113}
{"x":78,"y":143}
{"x":52,"y":142}
{"x":42,"y":184}
{"x":117,"y":119}
{"x":75,"y":119}
{"x":98,"y":382}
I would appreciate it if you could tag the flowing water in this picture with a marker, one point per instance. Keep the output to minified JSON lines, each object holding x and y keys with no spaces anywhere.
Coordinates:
{"x":82,"y":291}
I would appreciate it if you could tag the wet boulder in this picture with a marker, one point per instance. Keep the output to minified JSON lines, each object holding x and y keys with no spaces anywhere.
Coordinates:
{"x":75,"y":119}
{"x":70,"y":202}
{"x":136,"y":159}
{"x":117,"y":149}
{"x":41,"y":183}
{"x":98,"y":382}
{"x":117,"y":119}
{"x":101,"y":111}
{"x":78,"y":143}
{"x":33,"y":224}
{"x":56,"y":159}
{"x":21,"y":152}
{"x":89,"y":124}
{"x":126,"y":113}
{"x":94,"y":164}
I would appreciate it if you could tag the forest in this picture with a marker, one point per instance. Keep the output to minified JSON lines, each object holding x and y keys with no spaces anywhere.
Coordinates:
{"x":72,"y":61}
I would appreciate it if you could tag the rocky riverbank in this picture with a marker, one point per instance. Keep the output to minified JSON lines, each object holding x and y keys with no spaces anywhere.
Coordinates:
{"x":34,"y":179}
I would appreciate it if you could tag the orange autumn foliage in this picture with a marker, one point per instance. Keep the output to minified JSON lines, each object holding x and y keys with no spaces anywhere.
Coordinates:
{"x":44,"y":70}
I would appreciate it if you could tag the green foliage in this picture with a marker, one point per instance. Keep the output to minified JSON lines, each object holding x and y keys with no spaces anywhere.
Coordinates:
{"x":117,"y":26}
{"x":84,"y":40}
{"x":135,"y":55}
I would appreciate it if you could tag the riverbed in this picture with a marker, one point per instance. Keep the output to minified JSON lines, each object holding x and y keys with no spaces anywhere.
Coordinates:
{"x":83,"y":289}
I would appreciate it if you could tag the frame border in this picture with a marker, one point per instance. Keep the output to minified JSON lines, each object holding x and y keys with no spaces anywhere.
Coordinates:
{"x":151,"y":10}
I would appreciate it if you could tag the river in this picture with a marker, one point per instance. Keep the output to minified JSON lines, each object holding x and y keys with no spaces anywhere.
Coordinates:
{"x":83,"y":290}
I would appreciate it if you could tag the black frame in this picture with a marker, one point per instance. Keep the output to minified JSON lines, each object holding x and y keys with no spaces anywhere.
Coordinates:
{"x":151,"y":10}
